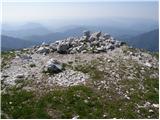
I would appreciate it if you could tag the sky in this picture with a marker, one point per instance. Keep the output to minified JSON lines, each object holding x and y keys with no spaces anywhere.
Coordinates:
{"x":68,"y":0}
{"x":43,"y":10}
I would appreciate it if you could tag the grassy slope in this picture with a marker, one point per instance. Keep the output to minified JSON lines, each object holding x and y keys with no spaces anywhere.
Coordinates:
{"x":78,"y":100}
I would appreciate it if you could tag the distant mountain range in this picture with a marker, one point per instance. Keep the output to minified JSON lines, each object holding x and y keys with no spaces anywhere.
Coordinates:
{"x":9,"y":43}
{"x":148,"y":40}
{"x":118,"y":33}
{"x":25,"y":30}
{"x":51,"y":37}
{"x":34,"y":34}
{"x":43,"y":32}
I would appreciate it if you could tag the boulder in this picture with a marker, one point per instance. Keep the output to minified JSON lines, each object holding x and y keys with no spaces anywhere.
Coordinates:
{"x":95,"y":43}
{"x":101,"y":49}
{"x":148,"y":64}
{"x":95,"y":51}
{"x":113,"y":41}
{"x":20,"y":76}
{"x":83,"y":38}
{"x":131,"y":53}
{"x":96,"y":34}
{"x":110,"y":47}
{"x":76,"y":117}
{"x":106,"y":36}
{"x":86,"y":33}
{"x":73,"y":50}
{"x":101,"y":39}
{"x":53,"y":66}
{"x":92,"y":38}
{"x":44,"y":44}
{"x":155,"y":105}
{"x":84,"y":51}
{"x":80,"y":48}
{"x":43,"y":50}
{"x":57,"y":42}
{"x":53,"y":47}
{"x":62,"y":48}
{"x":70,"y":40}
{"x":117,"y":43}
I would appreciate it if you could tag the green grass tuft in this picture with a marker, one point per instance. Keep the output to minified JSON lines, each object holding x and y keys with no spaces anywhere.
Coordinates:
{"x":7,"y":56}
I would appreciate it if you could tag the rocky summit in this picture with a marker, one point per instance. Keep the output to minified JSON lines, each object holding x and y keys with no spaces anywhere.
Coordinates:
{"x":92,"y":76}
{"x":88,"y":43}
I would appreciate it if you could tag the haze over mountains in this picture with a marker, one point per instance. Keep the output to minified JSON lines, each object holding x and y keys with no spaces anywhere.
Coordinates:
{"x":39,"y":22}
{"x":36,"y":33}
{"x":25,"y":30}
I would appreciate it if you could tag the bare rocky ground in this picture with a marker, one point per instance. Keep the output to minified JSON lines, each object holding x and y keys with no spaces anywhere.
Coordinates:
{"x":119,"y":83}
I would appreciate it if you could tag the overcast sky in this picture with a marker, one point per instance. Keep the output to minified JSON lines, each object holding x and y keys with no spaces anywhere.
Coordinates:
{"x":34,"y":10}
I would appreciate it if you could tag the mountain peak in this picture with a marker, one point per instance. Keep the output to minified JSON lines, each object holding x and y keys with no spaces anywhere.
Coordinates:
{"x":94,"y":72}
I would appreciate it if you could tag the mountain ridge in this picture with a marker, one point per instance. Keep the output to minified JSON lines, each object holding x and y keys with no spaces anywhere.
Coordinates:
{"x":148,"y":40}
{"x":9,"y":43}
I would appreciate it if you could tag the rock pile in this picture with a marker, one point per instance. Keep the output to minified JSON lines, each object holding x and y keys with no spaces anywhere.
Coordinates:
{"x":88,"y":43}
